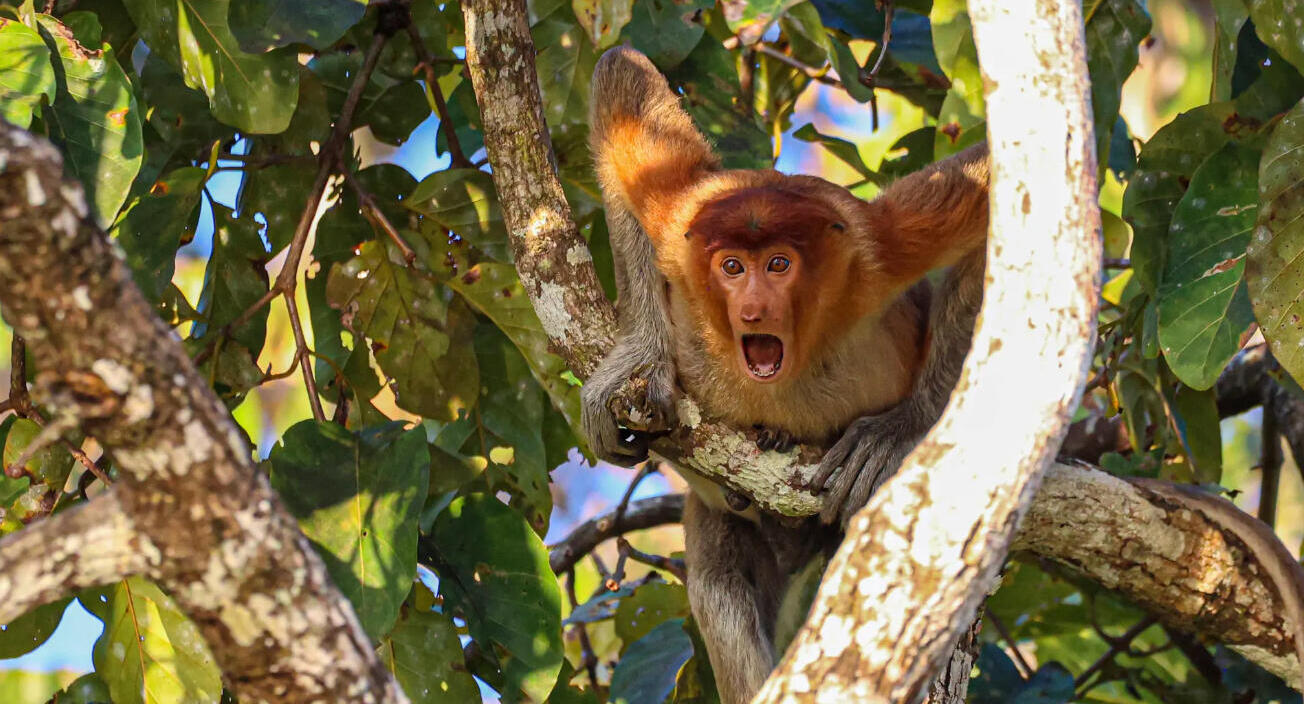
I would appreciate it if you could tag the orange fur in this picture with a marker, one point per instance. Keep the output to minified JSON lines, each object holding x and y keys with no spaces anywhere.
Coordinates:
{"x":856,"y":339}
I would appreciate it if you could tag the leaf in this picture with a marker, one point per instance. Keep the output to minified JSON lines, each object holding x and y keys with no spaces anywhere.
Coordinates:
{"x":262,"y":25}
{"x":846,"y":152}
{"x":651,"y":605}
{"x":494,"y":569}
{"x":564,"y":62}
{"x":464,"y":202}
{"x":963,"y":114}
{"x":1276,"y":266}
{"x":495,"y":291}
{"x":1164,"y":168}
{"x":179,"y":114}
{"x":94,"y":120}
{"x":235,"y":279}
{"x":357,"y":497}
{"x":26,"y":74}
{"x":255,"y":93}
{"x":664,"y":30}
{"x":391,"y":107}
{"x":1277,"y":22}
{"x":27,"y":632}
{"x":603,"y":20}
{"x":650,"y":666}
{"x":1195,"y":414}
{"x":420,"y":339}
{"x":1229,"y":18}
{"x":43,"y":475}
{"x":87,"y":689}
{"x":152,"y":228}
{"x":1203,"y":304}
{"x":1113,"y":32}
{"x":708,"y":80}
{"x":750,"y":18}
{"x":150,"y":653}
{"x":425,"y":656}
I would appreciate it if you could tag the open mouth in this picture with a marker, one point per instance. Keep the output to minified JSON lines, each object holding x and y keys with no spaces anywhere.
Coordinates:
{"x":763,"y":355}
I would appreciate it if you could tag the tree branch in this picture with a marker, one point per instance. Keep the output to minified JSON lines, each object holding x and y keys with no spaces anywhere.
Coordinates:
{"x":86,"y":546}
{"x":223,"y":545}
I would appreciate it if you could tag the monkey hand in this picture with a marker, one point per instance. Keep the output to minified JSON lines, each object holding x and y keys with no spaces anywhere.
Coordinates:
{"x":868,"y":453}
{"x":628,"y":400}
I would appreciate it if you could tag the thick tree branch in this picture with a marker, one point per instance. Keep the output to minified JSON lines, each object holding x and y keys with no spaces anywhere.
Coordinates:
{"x":223,"y":545}
{"x":919,"y":558}
{"x":86,"y":546}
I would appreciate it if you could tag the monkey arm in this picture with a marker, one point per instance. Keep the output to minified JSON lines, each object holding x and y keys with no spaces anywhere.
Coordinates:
{"x":873,"y":447}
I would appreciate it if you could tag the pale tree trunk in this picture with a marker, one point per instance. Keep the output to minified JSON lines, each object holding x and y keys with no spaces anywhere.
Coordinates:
{"x":920,"y":557}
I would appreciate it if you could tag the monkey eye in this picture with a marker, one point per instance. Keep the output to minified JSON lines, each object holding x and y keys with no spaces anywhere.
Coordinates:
{"x":732,"y":266}
{"x":778,"y":264}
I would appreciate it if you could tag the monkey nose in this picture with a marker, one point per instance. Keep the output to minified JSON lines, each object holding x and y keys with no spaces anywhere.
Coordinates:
{"x":751,"y":315}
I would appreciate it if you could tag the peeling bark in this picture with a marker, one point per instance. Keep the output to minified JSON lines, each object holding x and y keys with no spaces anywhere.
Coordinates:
{"x":222,"y":544}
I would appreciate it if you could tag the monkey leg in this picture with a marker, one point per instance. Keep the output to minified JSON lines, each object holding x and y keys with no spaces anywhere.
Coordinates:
{"x":734,"y":586}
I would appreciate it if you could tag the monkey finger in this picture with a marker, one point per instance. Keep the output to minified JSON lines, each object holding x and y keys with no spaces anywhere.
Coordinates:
{"x":834,"y":460}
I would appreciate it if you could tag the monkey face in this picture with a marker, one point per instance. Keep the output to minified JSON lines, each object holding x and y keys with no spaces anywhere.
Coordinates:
{"x":758,"y":287}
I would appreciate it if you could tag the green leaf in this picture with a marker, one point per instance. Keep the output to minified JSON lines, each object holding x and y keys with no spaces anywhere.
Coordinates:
{"x":464,"y":202}
{"x":649,"y":667}
{"x":421,"y":339}
{"x":564,"y":62}
{"x":150,"y":653}
{"x":846,"y":152}
{"x":27,"y":632}
{"x":1114,"y":31}
{"x":749,"y":19}
{"x":1195,"y":413}
{"x":94,"y":120}
{"x":807,"y":38}
{"x":708,"y":80}
{"x":179,"y":114}
{"x":495,"y":291}
{"x":255,"y":93}
{"x":262,"y":25}
{"x":152,"y":228}
{"x":45,"y":472}
{"x":391,"y":107}
{"x":1278,"y":24}
{"x":963,"y":115}
{"x":664,"y":30}
{"x":602,"y":20}
{"x":235,"y":279}
{"x":1229,"y":18}
{"x":1276,"y":266}
{"x":87,"y":689}
{"x":651,"y":606}
{"x":26,"y":74}
{"x":357,"y":497}
{"x":1203,"y":304}
{"x":1164,"y":167}
{"x":494,"y":570}
{"x":425,"y":656}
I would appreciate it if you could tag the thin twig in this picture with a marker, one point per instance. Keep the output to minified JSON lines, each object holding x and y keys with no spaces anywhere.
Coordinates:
{"x":869,"y":76}
{"x":642,"y":514}
{"x":643,"y":472}
{"x":1024,"y":668}
{"x":377,"y":217}
{"x":20,"y":401}
{"x":301,"y":351}
{"x":589,"y":660}
{"x":1270,"y":459}
{"x":672,"y":565}
{"x":426,"y":62}
{"x":1116,"y":646}
{"x":1117,"y":263}
{"x":818,"y":74}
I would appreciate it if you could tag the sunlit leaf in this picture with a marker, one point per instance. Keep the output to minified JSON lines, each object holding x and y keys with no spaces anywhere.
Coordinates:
{"x":26,"y":74}
{"x":651,"y":606}
{"x":150,"y":653}
{"x":494,"y":571}
{"x":256,"y":93}
{"x":1276,"y":266}
{"x":1203,"y":303}
{"x":963,"y":114}
{"x":750,"y":18}
{"x":464,"y":202}
{"x":94,"y":120}
{"x":357,"y":497}
{"x":603,"y":19}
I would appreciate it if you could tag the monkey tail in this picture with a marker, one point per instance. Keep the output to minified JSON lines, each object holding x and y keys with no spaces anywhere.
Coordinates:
{"x":645,"y":146}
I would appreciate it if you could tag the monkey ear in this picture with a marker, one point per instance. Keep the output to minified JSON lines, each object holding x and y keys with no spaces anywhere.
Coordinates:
{"x":647,"y":151}
{"x":932,"y":217}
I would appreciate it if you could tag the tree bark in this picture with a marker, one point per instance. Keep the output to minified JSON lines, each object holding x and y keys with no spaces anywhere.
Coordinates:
{"x":921,"y":556}
{"x":212,"y":531}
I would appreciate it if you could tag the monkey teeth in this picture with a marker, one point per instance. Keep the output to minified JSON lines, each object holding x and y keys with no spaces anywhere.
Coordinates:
{"x":763,"y":355}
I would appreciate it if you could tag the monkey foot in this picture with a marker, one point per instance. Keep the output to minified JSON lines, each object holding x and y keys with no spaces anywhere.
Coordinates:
{"x":777,"y":440}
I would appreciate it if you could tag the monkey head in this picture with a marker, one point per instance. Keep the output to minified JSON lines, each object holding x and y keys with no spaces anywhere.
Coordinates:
{"x":771,"y":271}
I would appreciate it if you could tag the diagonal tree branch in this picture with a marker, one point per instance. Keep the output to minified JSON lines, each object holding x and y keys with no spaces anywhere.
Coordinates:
{"x":238,"y":565}
{"x":86,"y":546}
